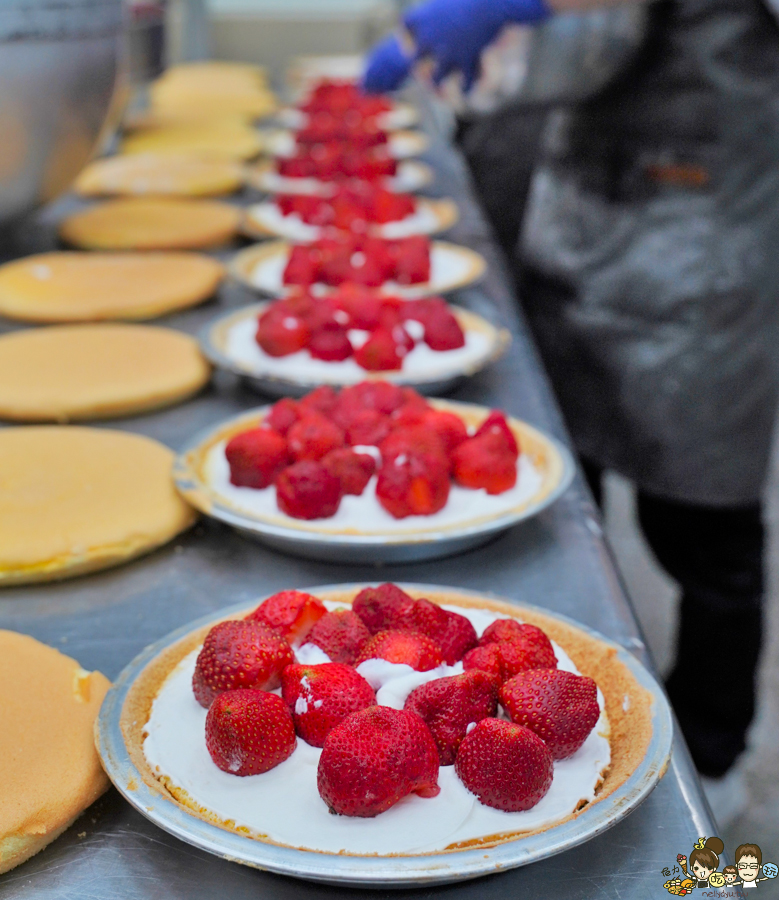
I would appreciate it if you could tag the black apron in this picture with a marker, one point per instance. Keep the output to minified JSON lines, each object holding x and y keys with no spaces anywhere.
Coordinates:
{"x":651,"y":253}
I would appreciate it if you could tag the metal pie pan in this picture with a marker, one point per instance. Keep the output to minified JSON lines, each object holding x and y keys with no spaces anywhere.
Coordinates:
{"x":212,"y":343}
{"x":376,"y":871}
{"x":385,"y":547}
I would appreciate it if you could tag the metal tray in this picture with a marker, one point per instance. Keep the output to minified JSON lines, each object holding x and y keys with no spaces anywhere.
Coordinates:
{"x":403,"y":547}
{"x":212,"y":342}
{"x":377,"y":872}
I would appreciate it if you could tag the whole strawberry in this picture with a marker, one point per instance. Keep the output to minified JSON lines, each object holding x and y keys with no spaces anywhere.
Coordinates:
{"x":320,"y":697}
{"x":535,"y":647}
{"x":506,"y":659}
{"x":239,"y":654}
{"x":249,"y":732}
{"x":456,"y":637}
{"x":505,"y":765}
{"x":449,"y":705}
{"x":341,"y":634}
{"x":560,"y":707}
{"x":292,"y":613}
{"x":256,"y":457}
{"x":381,"y":607}
{"x":403,"y":647}
{"x":373,"y":759}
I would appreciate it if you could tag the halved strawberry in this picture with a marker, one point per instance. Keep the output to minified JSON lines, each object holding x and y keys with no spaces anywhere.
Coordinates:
{"x":239,"y":654}
{"x":449,"y":705}
{"x":292,"y":613}
{"x":249,"y":732}
{"x":320,"y":697}
{"x":505,"y":765}
{"x":373,"y":759}
{"x":560,"y":707}
{"x":403,"y":647}
{"x":341,"y":634}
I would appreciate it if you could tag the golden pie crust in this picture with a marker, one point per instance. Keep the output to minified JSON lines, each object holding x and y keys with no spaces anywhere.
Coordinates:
{"x":162,"y":223}
{"x":51,"y":770}
{"x":212,"y":138}
{"x":159,"y":175}
{"x":88,"y":287}
{"x":628,"y":705}
{"x":69,"y":372}
{"x":76,"y":500}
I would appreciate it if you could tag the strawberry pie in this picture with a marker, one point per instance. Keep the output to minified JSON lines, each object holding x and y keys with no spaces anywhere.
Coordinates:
{"x":366,"y":722}
{"x":410,"y":454}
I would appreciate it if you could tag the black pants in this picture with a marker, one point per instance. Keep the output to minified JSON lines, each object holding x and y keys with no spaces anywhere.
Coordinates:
{"x":716,"y":555}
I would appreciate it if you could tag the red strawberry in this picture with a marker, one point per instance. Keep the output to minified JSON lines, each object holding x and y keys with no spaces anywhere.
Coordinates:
{"x":361,"y":304}
{"x":367,"y":427}
{"x":505,"y":765}
{"x":412,"y":260}
{"x":535,"y":646}
{"x":496,"y":425}
{"x":413,"y":484}
{"x":422,"y":616}
{"x":282,"y":416}
{"x":292,"y":613}
{"x":330,"y":343}
{"x":484,"y":462}
{"x":320,"y":697}
{"x":380,"y":607}
{"x":374,"y":758}
{"x":560,"y":707}
{"x":239,"y":654}
{"x":306,"y":490}
{"x":443,"y":332}
{"x":449,"y":428}
{"x":456,"y":638}
{"x":380,"y":353}
{"x":449,"y":705}
{"x":249,"y":732}
{"x":303,"y":266}
{"x":256,"y":457}
{"x":488,"y":659}
{"x":353,"y":470}
{"x":280,"y":332}
{"x":506,"y":659}
{"x":341,"y":634}
{"x":313,"y":436}
{"x":416,"y":439}
{"x":322,"y":400}
{"x":403,"y":647}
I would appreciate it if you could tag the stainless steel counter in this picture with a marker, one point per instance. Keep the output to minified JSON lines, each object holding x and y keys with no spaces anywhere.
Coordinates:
{"x":558,"y":561}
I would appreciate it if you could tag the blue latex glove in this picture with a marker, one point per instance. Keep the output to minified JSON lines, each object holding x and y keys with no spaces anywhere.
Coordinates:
{"x":387,"y":68}
{"x":454,"y":32}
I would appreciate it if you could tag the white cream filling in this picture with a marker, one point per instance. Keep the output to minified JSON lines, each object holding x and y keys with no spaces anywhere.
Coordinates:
{"x":393,"y":119}
{"x":448,"y":267}
{"x":411,"y":176}
{"x":269,"y":217}
{"x":284,"y":804}
{"x":241,"y":346}
{"x":364,"y":514}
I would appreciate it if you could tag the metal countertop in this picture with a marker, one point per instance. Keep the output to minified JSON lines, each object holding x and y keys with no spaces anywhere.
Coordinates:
{"x":557,"y":560}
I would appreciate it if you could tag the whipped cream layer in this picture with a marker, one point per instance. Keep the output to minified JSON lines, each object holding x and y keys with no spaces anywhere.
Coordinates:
{"x":421,"y":363}
{"x":400,"y":144}
{"x":269,"y":217}
{"x":448,"y":268}
{"x":284,"y":805}
{"x":364,"y":515}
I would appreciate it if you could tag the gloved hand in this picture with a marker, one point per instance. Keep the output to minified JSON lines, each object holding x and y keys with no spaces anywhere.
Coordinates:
{"x":454,"y":32}
{"x":387,"y":68}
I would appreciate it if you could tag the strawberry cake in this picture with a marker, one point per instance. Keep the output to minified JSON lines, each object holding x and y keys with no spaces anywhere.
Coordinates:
{"x":380,"y":721}
{"x":300,"y":340}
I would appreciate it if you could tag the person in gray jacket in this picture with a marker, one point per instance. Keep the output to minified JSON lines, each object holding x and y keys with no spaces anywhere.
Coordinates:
{"x":650,"y":266}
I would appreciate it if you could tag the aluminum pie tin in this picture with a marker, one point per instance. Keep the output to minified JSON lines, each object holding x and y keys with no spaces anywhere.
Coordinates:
{"x":306,"y":539}
{"x":213,"y":342}
{"x":377,"y":871}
